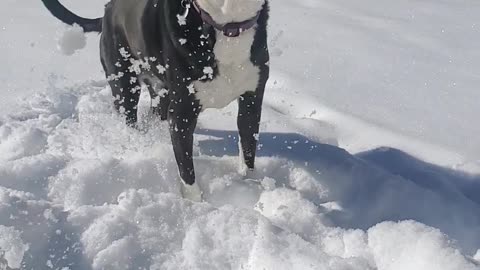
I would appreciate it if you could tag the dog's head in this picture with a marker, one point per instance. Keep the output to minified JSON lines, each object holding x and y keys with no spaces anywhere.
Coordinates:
{"x":228,"y":11}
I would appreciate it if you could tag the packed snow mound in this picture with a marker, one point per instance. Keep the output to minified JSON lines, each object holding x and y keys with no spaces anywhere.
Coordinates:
{"x":408,"y":245}
{"x":79,"y":189}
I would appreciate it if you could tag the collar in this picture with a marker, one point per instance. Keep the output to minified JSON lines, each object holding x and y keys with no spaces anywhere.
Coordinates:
{"x":233,"y":29}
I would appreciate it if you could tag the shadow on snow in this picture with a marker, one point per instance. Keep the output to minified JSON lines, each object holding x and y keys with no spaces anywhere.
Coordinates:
{"x":373,"y":186}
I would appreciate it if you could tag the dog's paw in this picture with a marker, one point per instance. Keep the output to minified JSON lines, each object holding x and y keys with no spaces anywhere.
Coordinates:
{"x":242,"y":167}
{"x":192,"y":192}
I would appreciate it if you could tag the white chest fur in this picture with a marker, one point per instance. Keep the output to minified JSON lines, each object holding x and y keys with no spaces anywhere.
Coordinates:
{"x":236,"y":73}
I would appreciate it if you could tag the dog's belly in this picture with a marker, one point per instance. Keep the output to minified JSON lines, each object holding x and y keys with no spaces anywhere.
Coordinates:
{"x":236,"y":73}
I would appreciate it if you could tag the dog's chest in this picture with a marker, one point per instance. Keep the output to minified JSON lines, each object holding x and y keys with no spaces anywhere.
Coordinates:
{"x":236,"y":73}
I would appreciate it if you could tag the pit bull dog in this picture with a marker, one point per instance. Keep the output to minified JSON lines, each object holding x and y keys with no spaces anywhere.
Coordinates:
{"x":192,"y":55}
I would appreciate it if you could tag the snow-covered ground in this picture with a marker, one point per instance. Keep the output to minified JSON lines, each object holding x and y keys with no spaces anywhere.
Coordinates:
{"x":368,"y":156}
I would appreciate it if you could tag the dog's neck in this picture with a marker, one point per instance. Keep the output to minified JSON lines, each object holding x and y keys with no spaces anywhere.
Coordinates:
{"x":231,"y":29}
{"x":231,"y":11}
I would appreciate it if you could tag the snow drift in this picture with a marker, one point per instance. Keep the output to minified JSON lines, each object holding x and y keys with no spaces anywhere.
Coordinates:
{"x":75,"y":195}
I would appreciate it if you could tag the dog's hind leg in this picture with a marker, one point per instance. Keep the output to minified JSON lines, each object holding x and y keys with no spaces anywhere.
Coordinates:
{"x":126,"y":94}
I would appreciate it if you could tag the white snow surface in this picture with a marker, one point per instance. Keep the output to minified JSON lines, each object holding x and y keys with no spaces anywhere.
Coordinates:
{"x":368,"y":158}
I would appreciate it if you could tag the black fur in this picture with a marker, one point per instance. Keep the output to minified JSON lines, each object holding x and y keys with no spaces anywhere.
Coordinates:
{"x":152,"y":32}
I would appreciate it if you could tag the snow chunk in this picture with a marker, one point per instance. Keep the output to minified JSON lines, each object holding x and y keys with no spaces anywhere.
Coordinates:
{"x":161,"y":69}
{"x":288,"y":210}
{"x":208,"y":71}
{"x":268,"y":183}
{"x":72,"y":40}
{"x":182,"y":20}
{"x":477,"y":256}
{"x":191,"y":89}
{"x":12,"y":247}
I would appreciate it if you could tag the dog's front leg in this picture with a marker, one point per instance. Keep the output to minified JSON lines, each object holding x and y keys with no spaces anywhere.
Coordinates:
{"x":182,"y":117}
{"x":248,"y":122}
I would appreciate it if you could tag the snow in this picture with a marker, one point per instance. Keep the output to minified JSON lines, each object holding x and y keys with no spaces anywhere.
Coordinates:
{"x":345,"y":178}
{"x":404,"y":69}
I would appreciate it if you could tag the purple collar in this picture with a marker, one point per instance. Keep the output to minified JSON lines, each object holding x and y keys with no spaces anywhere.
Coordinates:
{"x":233,"y":29}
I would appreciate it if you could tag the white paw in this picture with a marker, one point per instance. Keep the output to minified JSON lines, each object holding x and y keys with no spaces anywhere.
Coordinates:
{"x":242,"y":167}
{"x":191,"y":192}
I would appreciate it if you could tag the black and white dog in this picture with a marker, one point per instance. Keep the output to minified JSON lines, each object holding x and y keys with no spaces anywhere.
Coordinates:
{"x":193,"y":55}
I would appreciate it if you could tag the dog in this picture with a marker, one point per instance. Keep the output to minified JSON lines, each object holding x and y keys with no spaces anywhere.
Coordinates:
{"x":192,"y":55}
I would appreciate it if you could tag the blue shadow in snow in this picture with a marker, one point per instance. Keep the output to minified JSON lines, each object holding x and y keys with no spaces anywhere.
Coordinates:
{"x":424,"y":174}
{"x":376,"y":163}
{"x":290,"y":146}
